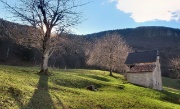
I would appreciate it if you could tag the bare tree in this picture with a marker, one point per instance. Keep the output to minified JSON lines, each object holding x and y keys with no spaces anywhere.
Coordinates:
{"x":109,"y":52}
{"x":45,"y":16}
{"x":72,"y":50}
{"x":175,"y":64}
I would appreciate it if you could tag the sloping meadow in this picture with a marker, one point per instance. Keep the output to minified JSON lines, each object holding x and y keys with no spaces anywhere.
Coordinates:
{"x":22,"y":87}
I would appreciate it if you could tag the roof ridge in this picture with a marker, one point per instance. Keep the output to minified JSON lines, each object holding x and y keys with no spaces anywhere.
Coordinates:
{"x":142,"y":57}
{"x":144,"y":51}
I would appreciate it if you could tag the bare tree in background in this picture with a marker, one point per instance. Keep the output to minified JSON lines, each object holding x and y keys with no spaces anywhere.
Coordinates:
{"x":175,"y":64}
{"x":109,"y":52}
{"x":45,"y":16}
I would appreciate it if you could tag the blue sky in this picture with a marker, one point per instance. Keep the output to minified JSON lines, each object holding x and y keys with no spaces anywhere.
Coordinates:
{"x":102,"y":15}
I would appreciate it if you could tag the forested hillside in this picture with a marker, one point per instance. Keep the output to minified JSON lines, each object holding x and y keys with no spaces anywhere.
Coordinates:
{"x":166,"y":40}
{"x":69,"y":54}
{"x":12,"y":53}
{"x":72,"y":55}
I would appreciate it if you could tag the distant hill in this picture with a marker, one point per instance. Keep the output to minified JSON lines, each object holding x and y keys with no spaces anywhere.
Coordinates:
{"x":165,"y":39}
{"x":147,"y":37}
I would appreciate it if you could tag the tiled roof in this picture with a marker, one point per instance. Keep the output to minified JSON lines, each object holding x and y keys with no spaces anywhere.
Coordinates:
{"x":142,"y":57}
{"x":142,"y":68}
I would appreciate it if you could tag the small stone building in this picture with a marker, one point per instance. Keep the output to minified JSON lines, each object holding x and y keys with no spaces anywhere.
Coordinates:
{"x":144,"y":69}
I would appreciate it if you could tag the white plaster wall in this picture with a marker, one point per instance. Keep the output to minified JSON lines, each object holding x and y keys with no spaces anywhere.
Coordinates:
{"x":147,"y":79}
{"x":157,"y":80}
{"x":142,"y":79}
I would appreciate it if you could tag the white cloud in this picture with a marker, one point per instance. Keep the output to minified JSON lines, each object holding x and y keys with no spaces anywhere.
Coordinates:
{"x":150,"y":10}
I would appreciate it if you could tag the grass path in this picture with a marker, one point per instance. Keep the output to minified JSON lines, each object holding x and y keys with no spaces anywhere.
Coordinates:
{"x":22,"y":88}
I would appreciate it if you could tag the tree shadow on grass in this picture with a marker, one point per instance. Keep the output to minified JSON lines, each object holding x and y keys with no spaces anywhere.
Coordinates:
{"x":113,"y":76}
{"x":171,"y":97}
{"x":78,"y":83}
{"x":41,"y":98}
{"x":98,"y":78}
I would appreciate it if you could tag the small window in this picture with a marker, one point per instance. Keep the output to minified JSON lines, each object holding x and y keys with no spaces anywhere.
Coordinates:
{"x":131,"y":66}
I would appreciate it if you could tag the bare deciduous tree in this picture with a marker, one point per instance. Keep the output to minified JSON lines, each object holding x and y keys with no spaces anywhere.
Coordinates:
{"x":45,"y":16}
{"x":175,"y":64}
{"x":109,"y":52}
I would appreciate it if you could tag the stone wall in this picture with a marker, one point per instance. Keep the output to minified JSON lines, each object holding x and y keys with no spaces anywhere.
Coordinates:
{"x":142,"y":79}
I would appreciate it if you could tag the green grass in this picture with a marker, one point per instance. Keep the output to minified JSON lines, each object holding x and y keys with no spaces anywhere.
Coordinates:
{"x":22,"y":88}
{"x":172,"y":85}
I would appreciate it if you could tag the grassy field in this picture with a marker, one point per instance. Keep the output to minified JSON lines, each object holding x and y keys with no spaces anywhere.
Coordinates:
{"x":23,"y":88}
{"x":172,"y":85}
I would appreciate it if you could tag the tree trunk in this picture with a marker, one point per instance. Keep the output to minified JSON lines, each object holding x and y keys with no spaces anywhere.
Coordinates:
{"x":110,"y":71}
{"x":44,"y":64}
{"x":45,"y":55}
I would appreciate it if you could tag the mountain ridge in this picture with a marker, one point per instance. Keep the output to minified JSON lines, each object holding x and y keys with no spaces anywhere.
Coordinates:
{"x":165,"y":39}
